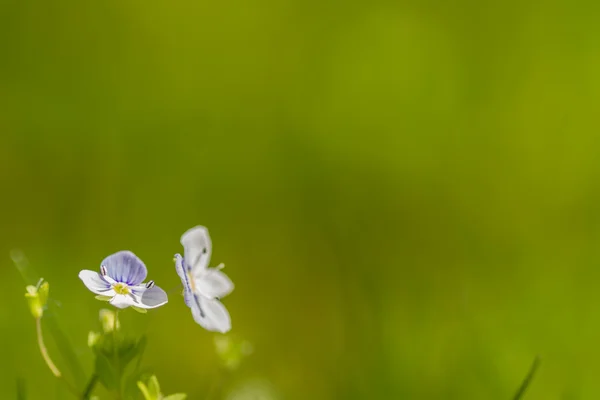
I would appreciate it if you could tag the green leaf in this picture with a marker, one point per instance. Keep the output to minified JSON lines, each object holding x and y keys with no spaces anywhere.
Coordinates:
{"x":154,"y":387}
{"x":114,"y":362}
{"x":106,"y":372}
{"x":131,"y":389}
{"x":178,"y":396}
{"x":144,"y":390}
{"x":127,"y":350}
{"x":133,"y":373}
{"x":140,"y":310}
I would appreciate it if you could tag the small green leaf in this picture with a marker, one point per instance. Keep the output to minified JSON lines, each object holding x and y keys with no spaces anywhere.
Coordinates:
{"x":106,"y":372}
{"x":178,"y":396}
{"x":154,"y":387}
{"x":103,"y":298}
{"x":115,"y":364}
{"x":144,"y":391}
{"x":140,"y":310}
{"x":131,"y":389}
{"x":127,"y":350}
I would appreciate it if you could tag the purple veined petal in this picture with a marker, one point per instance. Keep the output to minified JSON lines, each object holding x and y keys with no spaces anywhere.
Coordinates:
{"x":182,"y":271}
{"x":197,"y":247}
{"x":122,"y":301}
{"x":188,"y":298}
{"x":185,"y":280}
{"x":211,"y":315}
{"x":213,"y":283}
{"x":96,"y":283}
{"x":125,"y":267}
{"x":148,"y":297}
{"x":110,"y":280}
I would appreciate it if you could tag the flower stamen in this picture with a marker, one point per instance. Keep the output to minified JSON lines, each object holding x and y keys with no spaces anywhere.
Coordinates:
{"x":121,"y":288}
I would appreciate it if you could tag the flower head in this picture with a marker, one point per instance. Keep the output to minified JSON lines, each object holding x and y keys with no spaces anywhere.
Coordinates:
{"x":203,"y":287}
{"x":120,"y":281}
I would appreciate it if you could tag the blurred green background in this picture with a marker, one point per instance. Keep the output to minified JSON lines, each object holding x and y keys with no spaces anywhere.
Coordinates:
{"x":406,"y":194}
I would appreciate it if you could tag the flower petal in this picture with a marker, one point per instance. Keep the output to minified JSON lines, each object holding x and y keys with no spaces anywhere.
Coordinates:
{"x":122,"y":301}
{"x":182,"y":272}
{"x":125,"y":267}
{"x":149,"y":298}
{"x":213,"y":284}
{"x":187,"y":289}
{"x":211,"y":314}
{"x":95,"y":283}
{"x":197,"y":247}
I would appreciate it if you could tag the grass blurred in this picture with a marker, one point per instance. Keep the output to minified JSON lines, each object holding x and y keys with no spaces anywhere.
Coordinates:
{"x":406,"y":194}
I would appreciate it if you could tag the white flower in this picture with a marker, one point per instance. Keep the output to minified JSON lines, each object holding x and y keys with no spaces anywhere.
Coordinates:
{"x":203,"y":287}
{"x":120,"y":282}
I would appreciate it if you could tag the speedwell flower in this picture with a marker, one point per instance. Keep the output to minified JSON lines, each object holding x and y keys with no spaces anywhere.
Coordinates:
{"x":121,"y":282}
{"x":203,"y":287}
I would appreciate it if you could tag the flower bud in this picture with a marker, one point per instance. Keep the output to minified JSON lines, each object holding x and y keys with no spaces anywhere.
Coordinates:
{"x":93,"y":338}
{"x":37,"y":297}
{"x":109,"y":320}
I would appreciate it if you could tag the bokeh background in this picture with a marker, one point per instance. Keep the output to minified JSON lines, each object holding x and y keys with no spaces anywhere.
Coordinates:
{"x":406,"y":194}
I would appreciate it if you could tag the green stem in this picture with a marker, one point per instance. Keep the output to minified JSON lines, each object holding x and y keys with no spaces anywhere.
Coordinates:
{"x":43,"y":350}
{"x":528,"y":379}
{"x":89,"y":387}
{"x":118,"y":394}
{"x":46,"y":356}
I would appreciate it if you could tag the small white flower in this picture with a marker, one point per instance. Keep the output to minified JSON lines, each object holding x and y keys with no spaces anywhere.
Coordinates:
{"x":203,"y":287}
{"x":120,"y":282}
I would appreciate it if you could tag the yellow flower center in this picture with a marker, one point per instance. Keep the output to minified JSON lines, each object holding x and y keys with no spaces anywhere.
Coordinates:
{"x":121,"y":288}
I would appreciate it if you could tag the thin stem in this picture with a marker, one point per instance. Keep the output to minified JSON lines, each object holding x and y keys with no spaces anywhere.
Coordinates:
{"x":55,"y":371}
{"x":43,"y":350}
{"x":528,"y":379}
{"x":89,"y":387}
{"x":116,"y":355}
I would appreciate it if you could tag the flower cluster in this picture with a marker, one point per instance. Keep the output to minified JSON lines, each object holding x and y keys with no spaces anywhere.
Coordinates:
{"x":121,"y":282}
